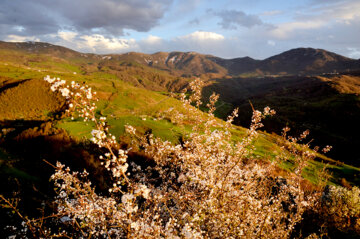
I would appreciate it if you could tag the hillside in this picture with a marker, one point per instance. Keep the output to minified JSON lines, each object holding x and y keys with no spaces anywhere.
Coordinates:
{"x":319,"y":98}
{"x":46,"y":57}
{"x":300,"y":61}
{"x":121,"y":102}
{"x":304,"y":61}
{"x":40,"y":100}
{"x":36,"y":133}
{"x":327,"y":105}
{"x":153,"y":70}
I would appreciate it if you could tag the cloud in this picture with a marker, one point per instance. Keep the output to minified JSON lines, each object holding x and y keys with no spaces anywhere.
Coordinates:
{"x":26,"y":18}
{"x":205,"y":43}
{"x":99,"y":43}
{"x":319,"y":15}
{"x":152,"y":40}
{"x":201,"y":36}
{"x":41,"y":17}
{"x":331,"y":11}
{"x":200,"y":41}
{"x":271,"y":13}
{"x":354,"y":52}
{"x":16,"y":38}
{"x":98,"y":26}
{"x":94,"y":43}
{"x":231,"y":19}
{"x":67,"y":36}
{"x":285,"y":30}
{"x":151,"y":44}
{"x":330,"y":25}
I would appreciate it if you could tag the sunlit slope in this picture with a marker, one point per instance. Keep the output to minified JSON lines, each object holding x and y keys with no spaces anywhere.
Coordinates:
{"x":46,"y":57}
{"x":124,"y":104}
{"x":28,"y":100}
{"x":25,"y":96}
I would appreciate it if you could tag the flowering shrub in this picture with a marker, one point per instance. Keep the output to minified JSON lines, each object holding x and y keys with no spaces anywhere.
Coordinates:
{"x":341,"y":208}
{"x":208,"y":186}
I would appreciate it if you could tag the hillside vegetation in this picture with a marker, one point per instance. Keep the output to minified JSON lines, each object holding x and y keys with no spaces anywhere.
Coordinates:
{"x":166,"y":172}
{"x":183,"y":163}
{"x":327,"y":105}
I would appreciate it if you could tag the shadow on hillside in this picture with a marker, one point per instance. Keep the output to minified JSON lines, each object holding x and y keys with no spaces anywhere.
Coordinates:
{"x":31,"y":142}
{"x":9,"y":85}
{"x":17,"y":126}
{"x":301,"y":103}
{"x":24,"y":173}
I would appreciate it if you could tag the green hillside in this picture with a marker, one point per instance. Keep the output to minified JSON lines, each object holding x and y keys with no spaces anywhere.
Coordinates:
{"x":43,"y":57}
{"x":35,"y":132}
{"x":123,"y":104}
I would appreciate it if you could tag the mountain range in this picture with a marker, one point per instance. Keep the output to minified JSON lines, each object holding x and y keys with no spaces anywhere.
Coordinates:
{"x":299,"y":61}
{"x":309,"y":88}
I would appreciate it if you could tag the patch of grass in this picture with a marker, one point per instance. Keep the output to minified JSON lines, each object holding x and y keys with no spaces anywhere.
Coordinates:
{"x":77,"y":128}
{"x":160,"y":128}
{"x":30,"y":100}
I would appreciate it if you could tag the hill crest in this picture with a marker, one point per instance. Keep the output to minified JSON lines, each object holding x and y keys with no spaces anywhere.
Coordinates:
{"x":298,"y":61}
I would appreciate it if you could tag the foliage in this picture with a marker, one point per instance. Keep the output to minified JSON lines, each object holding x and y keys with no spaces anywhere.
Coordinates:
{"x":206,"y":186}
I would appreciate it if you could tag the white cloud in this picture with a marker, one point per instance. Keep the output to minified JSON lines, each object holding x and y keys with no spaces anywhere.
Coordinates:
{"x":16,"y":38}
{"x":321,"y":15}
{"x":152,"y":40}
{"x":286,"y":30}
{"x":99,"y":43}
{"x":67,"y":36}
{"x":94,"y":43}
{"x":354,"y":52}
{"x":339,"y":10}
{"x":202,"y":36}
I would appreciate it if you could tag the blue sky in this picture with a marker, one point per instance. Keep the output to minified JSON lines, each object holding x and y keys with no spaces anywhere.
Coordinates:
{"x":227,"y":28}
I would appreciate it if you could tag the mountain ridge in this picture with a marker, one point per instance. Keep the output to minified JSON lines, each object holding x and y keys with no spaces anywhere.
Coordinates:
{"x":297,"y":61}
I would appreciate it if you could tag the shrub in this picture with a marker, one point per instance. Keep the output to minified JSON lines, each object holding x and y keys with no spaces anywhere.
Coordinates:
{"x":341,"y":208}
{"x":208,"y":186}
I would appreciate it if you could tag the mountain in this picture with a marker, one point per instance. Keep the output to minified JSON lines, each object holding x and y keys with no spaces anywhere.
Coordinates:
{"x":47,"y":57}
{"x":299,"y":61}
{"x":237,"y":66}
{"x":304,"y":61}
{"x":43,"y":48}
{"x":184,"y":64}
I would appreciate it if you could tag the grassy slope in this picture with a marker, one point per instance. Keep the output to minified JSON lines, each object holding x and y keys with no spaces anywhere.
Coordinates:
{"x":123,"y":103}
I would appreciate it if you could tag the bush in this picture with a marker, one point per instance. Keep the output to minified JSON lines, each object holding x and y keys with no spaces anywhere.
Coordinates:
{"x":208,"y":186}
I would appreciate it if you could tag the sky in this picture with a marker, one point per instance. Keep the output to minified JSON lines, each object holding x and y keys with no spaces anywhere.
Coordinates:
{"x":224,"y":28}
